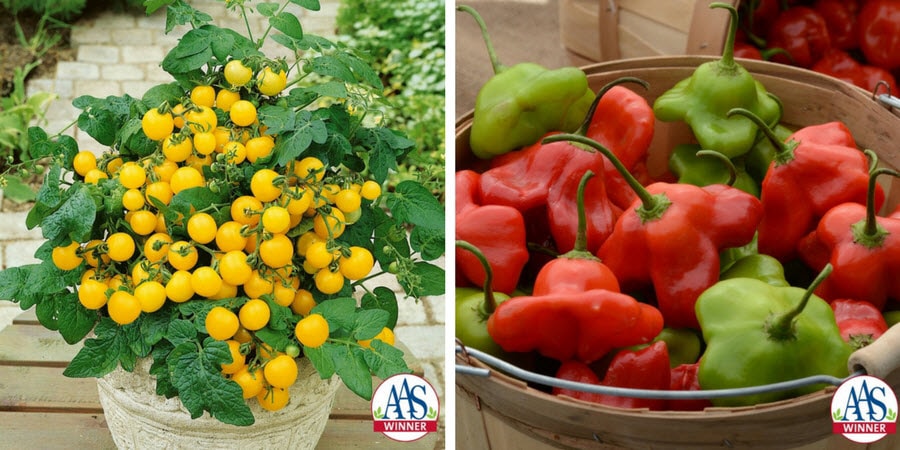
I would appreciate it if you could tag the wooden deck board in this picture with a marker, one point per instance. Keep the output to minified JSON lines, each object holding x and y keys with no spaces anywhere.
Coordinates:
{"x":40,"y":406}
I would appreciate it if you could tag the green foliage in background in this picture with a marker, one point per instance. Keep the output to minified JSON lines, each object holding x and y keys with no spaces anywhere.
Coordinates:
{"x":405,"y":39}
{"x":66,"y":10}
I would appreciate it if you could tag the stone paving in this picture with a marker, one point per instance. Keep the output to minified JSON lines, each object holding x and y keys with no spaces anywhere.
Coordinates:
{"x":119,"y":54}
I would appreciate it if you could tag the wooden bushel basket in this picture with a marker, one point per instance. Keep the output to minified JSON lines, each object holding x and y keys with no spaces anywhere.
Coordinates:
{"x":606,"y":30}
{"x":502,"y":412}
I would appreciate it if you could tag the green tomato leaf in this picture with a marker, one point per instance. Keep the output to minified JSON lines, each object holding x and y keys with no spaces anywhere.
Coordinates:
{"x":180,"y":13}
{"x":340,"y":312}
{"x":383,"y":299}
{"x":385,"y":360}
{"x":45,"y":311}
{"x":181,"y":331}
{"x":155,"y":326}
{"x":330,"y":66}
{"x":192,"y":52}
{"x":331,"y":89}
{"x":278,"y":119}
{"x":361,"y":69}
{"x":413,"y":203}
{"x":17,"y":190}
{"x":350,"y":365}
{"x":12,"y":280}
{"x":100,"y":356}
{"x":48,"y":197}
{"x":267,"y":9}
{"x":320,"y":359}
{"x":288,"y":24}
{"x":74,"y":320}
{"x":428,"y":242}
{"x":369,"y":322}
{"x":275,"y":339}
{"x":385,"y":146}
{"x":222,"y":43}
{"x":152,"y":5}
{"x":312,"y":5}
{"x":99,"y":124}
{"x":425,"y":279}
{"x":74,"y":218}
{"x":279,"y":316}
{"x":306,"y":131}
{"x":196,"y":373}
{"x":170,"y":93}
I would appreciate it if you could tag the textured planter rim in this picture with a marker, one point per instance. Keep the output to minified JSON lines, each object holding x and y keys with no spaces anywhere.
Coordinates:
{"x":138,"y":418}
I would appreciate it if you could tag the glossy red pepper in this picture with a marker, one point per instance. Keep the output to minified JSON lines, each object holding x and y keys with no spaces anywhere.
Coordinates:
{"x":573,"y":325}
{"x":599,"y":213}
{"x":522,"y":179}
{"x":816,"y":168}
{"x":577,"y":270}
{"x":842,"y":65}
{"x":803,"y":33}
{"x":864,"y":251}
{"x":647,"y":368}
{"x":860,"y":322}
{"x":671,"y":237}
{"x":684,"y":378}
{"x":879,"y":32}
{"x":480,"y":225}
{"x":840,"y":19}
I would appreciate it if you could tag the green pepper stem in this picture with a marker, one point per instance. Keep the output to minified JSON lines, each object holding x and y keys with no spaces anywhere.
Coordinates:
{"x":732,"y":171}
{"x":782,"y":328}
{"x":652,"y":206}
{"x":728,"y":52}
{"x":495,"y":61}
{"x":580,"y":251}
{"x":490,"y":303}
{"x":589,"y":117}
{"x":784,"y":151}
{"x":871,"y":236}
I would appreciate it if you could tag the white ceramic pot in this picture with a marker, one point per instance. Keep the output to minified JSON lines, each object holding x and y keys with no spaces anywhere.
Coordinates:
{"x":137,"y":418}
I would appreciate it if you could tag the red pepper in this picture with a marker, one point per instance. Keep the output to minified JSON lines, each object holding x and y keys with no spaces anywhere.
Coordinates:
{"x":864,"y":251}
{"x":684,"y":378}
{"x":671,"y":238}
{"x":577,"y":270}
{"x":647,"y":368}
{"x":522,"y":179}
{"x":816,"y":168}
{"x":803,"y":33}
{"x":840,"y":19}
{"x":569,"y":325}
{"x":481,"y":225}
{"x":860,"y":322}
{"x":879,"y":32}
{"x":839,"y":64}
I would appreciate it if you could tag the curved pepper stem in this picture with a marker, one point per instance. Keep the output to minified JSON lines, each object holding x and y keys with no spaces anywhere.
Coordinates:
{"x":490,"y":303}
{"x":495,"y":61}
{"x":869,"y":234}
{"x":727,"y":59}
{"x":782,"y":327}
{"x":652,"y":206}
{"x":589,"y":117}
{"x":784,"y":150}
{"x":732,"y":171}
{"x":580,"y":251}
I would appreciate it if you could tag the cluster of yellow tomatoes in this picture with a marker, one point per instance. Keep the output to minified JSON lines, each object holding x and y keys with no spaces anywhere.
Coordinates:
{"x":253,"y":254}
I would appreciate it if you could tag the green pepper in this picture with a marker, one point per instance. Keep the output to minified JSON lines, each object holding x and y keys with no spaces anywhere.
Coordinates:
{"x":699,"y":167}
{"x":683,"y":344}
{"x":760,"y":157}
{"x":704,"y":99}
{"x":760,"y":267}
{"x":474,"y":306}
{"x":757,"y":334}
{"x":520,"y":104}
{"x":892,"y":318}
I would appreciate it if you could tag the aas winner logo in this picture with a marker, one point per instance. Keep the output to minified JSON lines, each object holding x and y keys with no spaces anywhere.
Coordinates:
{"x":405,"y":408}
{"x":864,"y":409}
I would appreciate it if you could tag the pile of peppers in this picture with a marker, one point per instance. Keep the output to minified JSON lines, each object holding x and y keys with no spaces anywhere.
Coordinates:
{"x":758,"y":257}
{"x":857,"y":41}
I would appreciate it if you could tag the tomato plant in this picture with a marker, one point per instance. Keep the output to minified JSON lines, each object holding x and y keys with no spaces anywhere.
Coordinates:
{"x":232,"y":220}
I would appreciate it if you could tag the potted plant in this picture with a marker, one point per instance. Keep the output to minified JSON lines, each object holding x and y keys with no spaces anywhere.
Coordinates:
{"x":222,"y":252}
